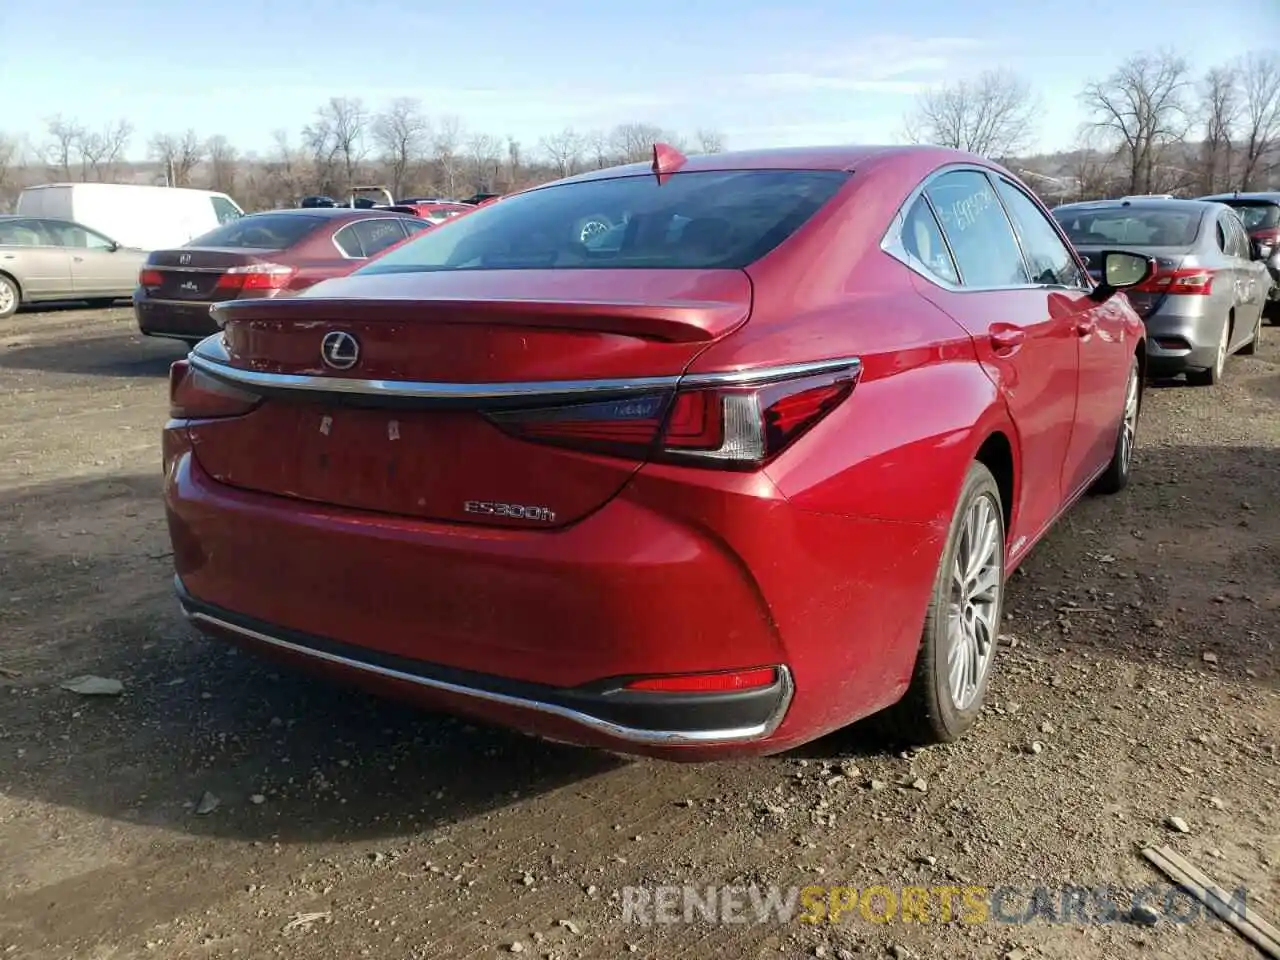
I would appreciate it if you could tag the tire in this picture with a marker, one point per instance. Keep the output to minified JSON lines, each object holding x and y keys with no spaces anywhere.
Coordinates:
{"x":930,"y":712}
{"x":1250,"y":348}
{"x":10,"y":296}
{"x":1116,"y":477}
{"x":1207,"y":378}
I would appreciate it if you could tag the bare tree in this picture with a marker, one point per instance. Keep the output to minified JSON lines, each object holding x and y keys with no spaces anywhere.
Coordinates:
{"x":321,"y":146}
{"x":992,"y":115}
{"x":484,"y":159}
{"x":1219,"y":112}
{"x":596,"y":145}
{"x":633,"y":142}
{"x":1092,"y":167}
{"x":402,"y":134}
{"x":515,"y":161}
{"x":348,"y":120}
{"x":1143,"y":105}
{"x":1260,"y":83}
{"x":709,"y":141}
{"x":564,"y":150}
{"x":178,"y":154}
{"x":64,"y":143}
{"x":101,"y":151}
{"x":9,"y":161}
{"x":223,"y":160}
{"x":446,"y":145}
{"x":287,"y":174}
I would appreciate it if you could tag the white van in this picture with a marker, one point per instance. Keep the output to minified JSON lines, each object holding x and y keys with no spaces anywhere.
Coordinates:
{"x":147,"y":218}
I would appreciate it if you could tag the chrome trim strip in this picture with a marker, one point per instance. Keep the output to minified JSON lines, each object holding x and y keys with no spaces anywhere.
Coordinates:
{"x":593,"y":723}
{"x":210,"y":357}
{"x":183,"y":303}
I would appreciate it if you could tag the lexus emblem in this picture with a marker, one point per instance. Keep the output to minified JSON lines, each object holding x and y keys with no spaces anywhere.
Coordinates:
{"x":339,"y":350}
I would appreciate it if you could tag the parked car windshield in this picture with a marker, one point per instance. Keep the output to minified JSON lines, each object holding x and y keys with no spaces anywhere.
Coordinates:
{"x":1257,"y":214}
{"x":1145,"y":228}
{"x":263,"y":231}
{"x":701,"y":220}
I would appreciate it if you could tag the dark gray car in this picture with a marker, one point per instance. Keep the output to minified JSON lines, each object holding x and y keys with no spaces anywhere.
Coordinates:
{"x":1206,"y":299}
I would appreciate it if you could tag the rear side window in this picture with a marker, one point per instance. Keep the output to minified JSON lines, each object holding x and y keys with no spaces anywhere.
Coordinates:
{"x":922,"y":239}
{"x":1145,"y":228}
{"x":701,"y":220}
{"x":263,"y":231}
{"x":1257,"y":215}
{"x":21,"y":233}
{"x":979,"y":232}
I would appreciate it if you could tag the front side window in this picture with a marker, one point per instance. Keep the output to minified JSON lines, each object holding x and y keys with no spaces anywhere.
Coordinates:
{"x":1050,"y":260}
{"x":74,"y":235}
{"x":225,"y":210}
{"x":922,"y":239}
{"x":726,"y":218}
{"x":975,"y":224}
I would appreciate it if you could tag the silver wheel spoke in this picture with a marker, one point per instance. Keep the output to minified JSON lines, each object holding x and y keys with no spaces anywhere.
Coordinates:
{"x":977,"y":582}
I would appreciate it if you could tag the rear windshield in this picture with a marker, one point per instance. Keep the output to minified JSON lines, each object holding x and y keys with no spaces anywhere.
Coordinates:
{"x":1143,"y":228}
{"x":702,"y":220}
{"x":1257,"y":214}
{"x":262,"y":231}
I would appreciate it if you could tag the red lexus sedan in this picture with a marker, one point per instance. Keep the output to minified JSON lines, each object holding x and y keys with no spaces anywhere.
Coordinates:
{"x":260,"y":255}
{"x":750,"y":465}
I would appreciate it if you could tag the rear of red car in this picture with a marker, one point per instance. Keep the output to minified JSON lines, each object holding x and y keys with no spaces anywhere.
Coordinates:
{"x":478,"y":470}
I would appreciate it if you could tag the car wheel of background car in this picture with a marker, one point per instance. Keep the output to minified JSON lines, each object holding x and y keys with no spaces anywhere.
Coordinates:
{"x":1207,"y":378}
{"x":1116,"y":477}
{"x":592,"y":226}
{"x":1250,"y":348}
{"x":10,"y":297}
{"x":958,"y":645}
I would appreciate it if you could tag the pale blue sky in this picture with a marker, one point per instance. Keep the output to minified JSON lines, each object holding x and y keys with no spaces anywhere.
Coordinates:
{"x":765,"y":72}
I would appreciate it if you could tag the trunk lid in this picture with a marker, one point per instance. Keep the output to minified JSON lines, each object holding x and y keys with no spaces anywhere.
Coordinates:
{"x":1167,"y":260}
{"x":193,"y":273}
{"x":409,"y":427}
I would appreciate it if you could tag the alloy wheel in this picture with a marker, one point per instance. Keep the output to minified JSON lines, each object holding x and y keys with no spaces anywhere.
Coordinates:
{"x":1220,"y":361}
{"x":1129,"y":426}
{"x":8,"y":297}
{"x":976,"y":586}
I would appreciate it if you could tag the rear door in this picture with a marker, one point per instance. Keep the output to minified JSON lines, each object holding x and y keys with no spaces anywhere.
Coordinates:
{"x":1253,"y":278}
{"x":99,"y":267}
{"x":41,"y":265}
{"x":1025,"y":335}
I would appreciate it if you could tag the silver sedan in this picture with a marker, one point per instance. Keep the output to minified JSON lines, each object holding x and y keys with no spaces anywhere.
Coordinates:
{"x":45,"y":259}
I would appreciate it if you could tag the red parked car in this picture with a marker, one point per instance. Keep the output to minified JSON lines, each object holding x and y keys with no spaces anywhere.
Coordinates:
{"x":749,"y":466}
{"x":257,"y":256}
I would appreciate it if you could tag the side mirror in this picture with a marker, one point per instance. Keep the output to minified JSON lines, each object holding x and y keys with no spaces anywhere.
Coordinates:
{"x":1121,"y":271}
{"x":112,"y":247}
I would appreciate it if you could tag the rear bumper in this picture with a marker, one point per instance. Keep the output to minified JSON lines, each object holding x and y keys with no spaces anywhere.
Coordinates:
{"x":173,"y":319}
{"x":604,"y":708}
{"x":533,"y":629}
{"x":1182,"y":337}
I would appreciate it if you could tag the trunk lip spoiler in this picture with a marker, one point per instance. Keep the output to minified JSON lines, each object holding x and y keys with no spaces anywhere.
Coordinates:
{"x":210,"y":357}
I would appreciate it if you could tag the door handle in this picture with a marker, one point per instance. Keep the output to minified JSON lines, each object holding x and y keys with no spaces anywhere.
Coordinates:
{"x":1005,"y":338}
{"x":1086,"y":328}
{"x":78,"y":259}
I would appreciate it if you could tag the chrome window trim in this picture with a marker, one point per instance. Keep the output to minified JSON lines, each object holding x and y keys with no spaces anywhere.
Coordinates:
{"x":891,"y":243}
{"x":587,"y":720}
{"x":404,"y":233}
{"x":210,"y":357}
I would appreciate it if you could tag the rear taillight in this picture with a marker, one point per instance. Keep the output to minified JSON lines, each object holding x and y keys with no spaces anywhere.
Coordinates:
{"x":1268,"y":235}
{"x":256,"y":277}
{"x":150,"y":278}
{"x":1190,"y":280}
{"x":194,"y":395}
{"x":730,"y":425}
{"x":724,"y":682}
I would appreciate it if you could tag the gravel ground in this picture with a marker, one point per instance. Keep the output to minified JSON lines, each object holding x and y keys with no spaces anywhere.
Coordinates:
{"x":1139,"y":682}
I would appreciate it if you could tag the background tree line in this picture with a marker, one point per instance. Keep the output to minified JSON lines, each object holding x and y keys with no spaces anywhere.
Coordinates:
{"x":1153,"y":126}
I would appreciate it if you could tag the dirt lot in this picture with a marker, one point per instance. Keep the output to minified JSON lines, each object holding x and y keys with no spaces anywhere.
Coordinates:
{"x":1143,"y":684}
